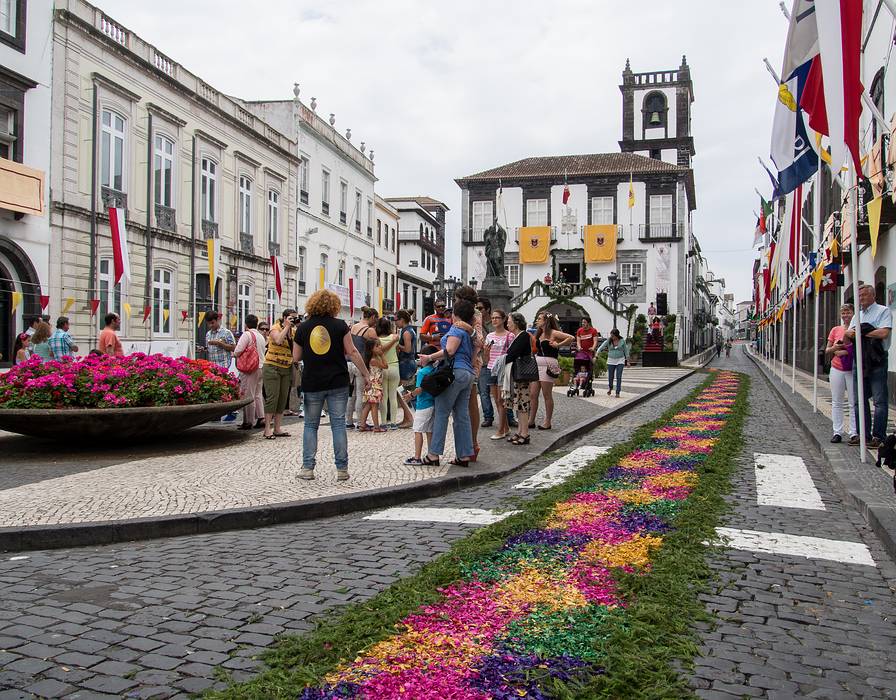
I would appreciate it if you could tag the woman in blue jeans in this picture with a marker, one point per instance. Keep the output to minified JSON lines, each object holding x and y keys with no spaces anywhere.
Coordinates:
{"x":455,"y":400}
{"x":617,"y":358}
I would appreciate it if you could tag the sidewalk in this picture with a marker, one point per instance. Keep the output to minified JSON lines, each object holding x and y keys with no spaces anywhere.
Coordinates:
{"x":214,"y":478}
{"x":868,"y":486}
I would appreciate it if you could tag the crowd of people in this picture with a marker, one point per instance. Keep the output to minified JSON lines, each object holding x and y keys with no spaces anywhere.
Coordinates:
{"x":473,"y":366}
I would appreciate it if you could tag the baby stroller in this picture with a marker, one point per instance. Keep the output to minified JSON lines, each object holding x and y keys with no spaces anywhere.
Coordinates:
{"x":582,"y":375}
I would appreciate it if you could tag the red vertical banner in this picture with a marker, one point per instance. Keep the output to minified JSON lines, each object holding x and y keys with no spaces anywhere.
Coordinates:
{"x":351,"y":297}
{"x":397,"y":300}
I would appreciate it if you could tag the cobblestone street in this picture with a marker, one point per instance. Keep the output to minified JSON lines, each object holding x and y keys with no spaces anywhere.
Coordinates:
{"x":157,"y":618}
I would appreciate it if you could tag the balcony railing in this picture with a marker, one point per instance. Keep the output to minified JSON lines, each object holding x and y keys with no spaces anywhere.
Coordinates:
{"x":388,"y":305}
{"x":301,"y":286}
{"x":303,"y":197}
{"x":273,"y":248}
{"x":662,"y":232}
{"x":166,"y":218}
{"x":113,"y":198}
{"x":343,"y":217}
{"x":358,"y":226}
{"x":209,"y":229}
{"x":247,"y":244}
{"x":325,"y":208}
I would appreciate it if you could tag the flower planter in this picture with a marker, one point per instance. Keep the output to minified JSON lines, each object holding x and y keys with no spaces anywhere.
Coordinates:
{"x":112,"y":424}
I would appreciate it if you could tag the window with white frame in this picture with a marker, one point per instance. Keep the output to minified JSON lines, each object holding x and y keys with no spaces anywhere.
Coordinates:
{"x":208,"y":189}
{"x":512,"y":273}
{"x":303,"y":179}
{"x":8,"y":16}
{"x":357,"y":211}
{"x":536,"y":212}
{"x":324,"y":264}
{"x":369,"y":283}
{"x":343,"y":200}
{"x":393,"y":239}
{"x":340,"y":274}
{"x":271,"y":305}
{"x":357,"y":277}
{"x":325,"y":191}
{"x":161,"y":301}
{"x":112,"y":144}
{"x":273,"y":216}
{"x":379,"y":232}
{"x":602,"y":210}
{"x":243,"y":303}
{"x":661,"y":214}
{"x":379,"y":279}
{"x":245,"y":200}
{"x":163,"y":170}
{"x":482,"y":218}
{"x":301,"y":269}
{"x":626,"y":270}
{"x":404,"y":295}
{"x":369,"y":218}
{"x":109,"y":292}
{"x":7,"y":132}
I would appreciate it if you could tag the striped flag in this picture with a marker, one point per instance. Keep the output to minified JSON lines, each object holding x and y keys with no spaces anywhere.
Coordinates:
{"x":214,"y":262}
{"x":631,"y":190}
{"x":120,"y":258}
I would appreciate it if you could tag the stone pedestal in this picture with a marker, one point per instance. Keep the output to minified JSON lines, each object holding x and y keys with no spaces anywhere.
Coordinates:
{"x":498,"y":292}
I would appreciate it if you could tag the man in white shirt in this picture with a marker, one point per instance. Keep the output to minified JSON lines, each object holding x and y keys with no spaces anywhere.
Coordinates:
{"x":875,"y":377}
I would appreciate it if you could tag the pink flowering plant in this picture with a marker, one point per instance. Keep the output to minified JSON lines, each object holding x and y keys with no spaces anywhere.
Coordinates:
{"x":104,"y":381}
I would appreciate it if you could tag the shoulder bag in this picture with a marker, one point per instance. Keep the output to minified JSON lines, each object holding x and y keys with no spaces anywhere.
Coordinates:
{"x":443,"y":377}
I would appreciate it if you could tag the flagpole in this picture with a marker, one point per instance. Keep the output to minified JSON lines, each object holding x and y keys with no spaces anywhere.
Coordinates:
{"x":793,"y":354}
{"x":854,"y":264}
{"x":816,"y":217}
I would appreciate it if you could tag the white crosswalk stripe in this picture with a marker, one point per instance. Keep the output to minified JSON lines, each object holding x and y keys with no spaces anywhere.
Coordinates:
{"x":563,"y":468}
{"x":784,"y":480}
{"x":796,"y":545}
{"x":465,"y":516}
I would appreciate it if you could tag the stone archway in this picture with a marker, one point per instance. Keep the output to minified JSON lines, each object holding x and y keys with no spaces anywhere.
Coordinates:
{"x":17,"y":273}
{"x":569,"y":314}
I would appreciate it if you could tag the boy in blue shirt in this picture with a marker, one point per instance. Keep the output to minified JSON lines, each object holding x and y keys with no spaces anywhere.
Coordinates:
{"x":425,"y":412}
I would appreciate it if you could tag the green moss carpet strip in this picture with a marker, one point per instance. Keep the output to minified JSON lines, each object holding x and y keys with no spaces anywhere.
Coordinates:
{"x":547,"y":609}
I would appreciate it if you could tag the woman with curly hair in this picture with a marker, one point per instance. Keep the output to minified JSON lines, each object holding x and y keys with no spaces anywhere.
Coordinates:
{"x":549,"y":339}
{"x":323,"y":343}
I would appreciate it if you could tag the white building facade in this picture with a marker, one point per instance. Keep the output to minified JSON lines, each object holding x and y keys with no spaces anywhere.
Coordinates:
{"x":135,"y":130}
{"x":421,"y":250}
{"x":25,"y":98}
{"x":386,"y":258}
{"x":651,"y":241}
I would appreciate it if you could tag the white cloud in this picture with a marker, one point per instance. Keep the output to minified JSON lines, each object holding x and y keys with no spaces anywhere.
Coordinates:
{"x":445,"y":89}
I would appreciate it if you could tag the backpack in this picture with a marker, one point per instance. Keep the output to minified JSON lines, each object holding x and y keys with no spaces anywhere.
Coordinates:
{"x":248,"y":360}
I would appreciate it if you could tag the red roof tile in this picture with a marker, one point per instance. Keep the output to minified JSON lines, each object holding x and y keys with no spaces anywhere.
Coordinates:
{"x":587,"y":164}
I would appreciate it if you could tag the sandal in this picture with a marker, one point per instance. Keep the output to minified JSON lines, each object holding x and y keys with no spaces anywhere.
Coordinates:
{"x":380,"y":429}
{"x":282,"y":433}
{"x":511,"y":438}
{"x":475,"y":455}
{"x":520,"y":440}
{"x":544,"y":427}
{"x":270,"y":437}
{"x":459,"y":462}
{"x":430,"y":462}
{"x":406,"y":425}
{"x":290,"y":412}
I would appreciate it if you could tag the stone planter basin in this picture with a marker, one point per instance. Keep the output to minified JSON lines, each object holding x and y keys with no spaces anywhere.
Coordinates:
{"x":115,"y":424}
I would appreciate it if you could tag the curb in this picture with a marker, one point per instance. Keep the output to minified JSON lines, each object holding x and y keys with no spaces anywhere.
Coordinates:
{"x":879,"y":515}
{"x":109,"y":532}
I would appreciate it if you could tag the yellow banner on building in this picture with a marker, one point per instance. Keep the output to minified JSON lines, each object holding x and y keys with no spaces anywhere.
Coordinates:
{"x":535,"y":242}
{"x":600,"y":243}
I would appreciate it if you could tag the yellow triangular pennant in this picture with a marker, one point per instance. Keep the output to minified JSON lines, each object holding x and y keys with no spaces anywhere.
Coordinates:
{"x":16,"y":300}
{"x":165,"y":314}
{"x":201,"y":318}
{"x":127,"y":310}
{"x":874,"y":221}
{"x":817,"y":275}
{"x":69,"y":303}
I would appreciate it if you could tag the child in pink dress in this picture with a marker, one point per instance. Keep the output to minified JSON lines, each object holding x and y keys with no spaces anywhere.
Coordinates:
{"x":373,"y":395}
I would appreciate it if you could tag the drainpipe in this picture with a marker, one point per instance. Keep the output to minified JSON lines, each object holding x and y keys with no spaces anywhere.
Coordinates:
{"x":92,"y":284}
{"x":147,"y":287}
{"x":193,"y":249}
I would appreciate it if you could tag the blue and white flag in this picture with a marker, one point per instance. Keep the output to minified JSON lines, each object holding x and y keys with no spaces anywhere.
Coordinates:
{"x":791,"y":149}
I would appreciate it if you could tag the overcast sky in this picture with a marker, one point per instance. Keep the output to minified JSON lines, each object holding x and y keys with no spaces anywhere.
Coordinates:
{"x":446,"y":89}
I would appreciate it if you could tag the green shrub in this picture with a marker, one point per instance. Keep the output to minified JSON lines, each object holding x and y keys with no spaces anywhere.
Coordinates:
{"x":638,"y":335}
{"x":669,"y":333}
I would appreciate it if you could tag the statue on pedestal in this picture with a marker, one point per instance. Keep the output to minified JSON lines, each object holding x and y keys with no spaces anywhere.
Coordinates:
{"x":495,"y":238}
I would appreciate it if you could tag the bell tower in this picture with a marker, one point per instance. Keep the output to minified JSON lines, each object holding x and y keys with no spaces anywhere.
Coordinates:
{"x":656,"y":114}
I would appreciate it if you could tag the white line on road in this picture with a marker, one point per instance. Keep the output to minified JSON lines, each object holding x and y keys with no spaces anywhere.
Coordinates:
{"x":784,"y":480}
{"x":466,"y":516}
{"x":564,"y":467}
{"x":796,"y":545}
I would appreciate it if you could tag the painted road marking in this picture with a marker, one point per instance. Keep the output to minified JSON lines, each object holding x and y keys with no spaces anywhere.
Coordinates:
{"x":796,"y":545}
{"x":784,"y":480}
{"x":466,"y":516}
{"x":566,"y":466}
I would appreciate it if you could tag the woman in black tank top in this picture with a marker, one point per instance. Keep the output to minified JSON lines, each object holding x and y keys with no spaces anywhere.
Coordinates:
{"x":549,"y":340}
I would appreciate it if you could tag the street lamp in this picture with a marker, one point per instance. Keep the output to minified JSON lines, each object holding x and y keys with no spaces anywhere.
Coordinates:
{"x":615,"y":289}
{"x":474,"y":283}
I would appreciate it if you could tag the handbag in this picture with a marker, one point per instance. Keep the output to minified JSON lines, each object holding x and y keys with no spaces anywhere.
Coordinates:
{"x":437,"y":382}
{"x":525,"y":369}
{"x":551,"y":372}
{"x":248,"y":360}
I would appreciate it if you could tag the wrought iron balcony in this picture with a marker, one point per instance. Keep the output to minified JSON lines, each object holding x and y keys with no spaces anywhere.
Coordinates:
{"x":662,"y":232}
{"x":113,"y":198}
{"x":303,"y":197}
{"x":166,"y":218}
{"x":325,"y":208}
{"x":273,"y":248}
{"x":209,"y":229}
{"x":343,"y":217}
{"x":247,"y":243}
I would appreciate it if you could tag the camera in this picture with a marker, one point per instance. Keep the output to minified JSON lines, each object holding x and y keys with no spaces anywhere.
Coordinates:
{"x":295,"y":319}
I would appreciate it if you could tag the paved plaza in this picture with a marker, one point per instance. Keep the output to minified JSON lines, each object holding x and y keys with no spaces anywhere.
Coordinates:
{"x":214,"y":468}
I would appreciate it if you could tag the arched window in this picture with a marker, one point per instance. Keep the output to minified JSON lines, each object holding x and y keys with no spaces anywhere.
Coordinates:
{"x":655,"y":110}
{"x":340,"y":274}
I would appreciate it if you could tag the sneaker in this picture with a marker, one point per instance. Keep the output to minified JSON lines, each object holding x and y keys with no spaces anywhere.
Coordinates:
{"x":413,"y":462}
{"x":306,"y":475}
{"x":836,"y":438}
{"x":486,"y":423}
{"x":342,"y":475}
{"x":874,"y":443}
{"x":229,"y":418}
{"x":349,"y":426}
{"x":853,"y":440}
